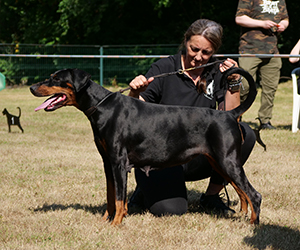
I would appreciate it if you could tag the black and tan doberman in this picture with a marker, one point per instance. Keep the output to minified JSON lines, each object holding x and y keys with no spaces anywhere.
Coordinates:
{"x":131,"y":133}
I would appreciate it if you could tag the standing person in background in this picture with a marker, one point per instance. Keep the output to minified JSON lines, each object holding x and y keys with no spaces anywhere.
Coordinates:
{"x":261,"y":21}
{"x":164,"y":191}
{"x":295,"y":60}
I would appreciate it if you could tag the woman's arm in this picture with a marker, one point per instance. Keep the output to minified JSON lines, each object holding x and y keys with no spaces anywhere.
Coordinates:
{"x":138,"y":85}
{"x":232,"y":97}
{"x":295,"y":51}
{"x":232,"y":100}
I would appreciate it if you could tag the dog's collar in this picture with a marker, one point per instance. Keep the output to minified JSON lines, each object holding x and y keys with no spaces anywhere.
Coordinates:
{"x":92,"y":109}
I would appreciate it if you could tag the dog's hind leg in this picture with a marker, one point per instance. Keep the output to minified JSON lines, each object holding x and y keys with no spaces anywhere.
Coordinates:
{"x":247,"y":193}
{"x":254,"y":203}
{"x":241,"y":184}
{"x":235,"y":175}
{"x":243,"y":198}
{"x":214,"y":164}
{"x":19,"y":125}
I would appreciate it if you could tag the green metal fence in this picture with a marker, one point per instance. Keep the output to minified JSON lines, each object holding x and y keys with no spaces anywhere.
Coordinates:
{"x":23,"y":69}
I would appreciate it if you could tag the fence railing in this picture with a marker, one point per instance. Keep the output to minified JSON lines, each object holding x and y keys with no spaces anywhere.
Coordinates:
{"x":29,"y":63}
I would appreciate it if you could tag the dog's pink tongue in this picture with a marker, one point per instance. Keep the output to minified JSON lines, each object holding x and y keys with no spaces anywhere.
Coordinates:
{"x":45,"y":104}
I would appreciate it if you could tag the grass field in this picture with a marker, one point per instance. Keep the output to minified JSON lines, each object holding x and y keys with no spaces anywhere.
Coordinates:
{"x":53,"y":190}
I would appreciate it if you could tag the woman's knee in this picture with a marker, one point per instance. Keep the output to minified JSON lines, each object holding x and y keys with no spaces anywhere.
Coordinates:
{"x":173,"y":206}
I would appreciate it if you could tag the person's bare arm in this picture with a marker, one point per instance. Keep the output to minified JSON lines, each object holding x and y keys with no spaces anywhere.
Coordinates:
{"x":232,"y":98}
{"x":295,"y":51}
{"x":138,"y":85}
{"x":248,"y":22}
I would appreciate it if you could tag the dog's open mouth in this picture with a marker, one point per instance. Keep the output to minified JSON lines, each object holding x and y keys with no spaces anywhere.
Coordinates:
{"x":52,"y":103}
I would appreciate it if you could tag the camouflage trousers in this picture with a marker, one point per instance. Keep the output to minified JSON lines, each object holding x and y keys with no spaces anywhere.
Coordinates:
{"x":267,"y":71}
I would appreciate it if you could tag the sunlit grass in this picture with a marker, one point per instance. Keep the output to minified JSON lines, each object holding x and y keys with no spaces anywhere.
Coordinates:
{"x":53,"y":190}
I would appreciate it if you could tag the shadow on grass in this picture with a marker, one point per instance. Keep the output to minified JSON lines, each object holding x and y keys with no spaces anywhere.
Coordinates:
{"x":274,"y":237}
{"x":55,"y":207}
{"x":193,"y":206}
{"x":255,"y":125}
{"x":88,"y":208}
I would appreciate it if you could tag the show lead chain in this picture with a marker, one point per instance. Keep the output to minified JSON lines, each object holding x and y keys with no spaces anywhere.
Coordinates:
{"x":180,"y":71}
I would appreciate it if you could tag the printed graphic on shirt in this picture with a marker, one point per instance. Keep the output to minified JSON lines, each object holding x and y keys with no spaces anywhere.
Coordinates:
{"x":270,"y":7}
{"x":210,"y":90}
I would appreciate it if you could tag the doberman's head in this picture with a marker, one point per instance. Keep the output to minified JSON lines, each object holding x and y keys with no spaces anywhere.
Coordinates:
{"x":62,"y":86}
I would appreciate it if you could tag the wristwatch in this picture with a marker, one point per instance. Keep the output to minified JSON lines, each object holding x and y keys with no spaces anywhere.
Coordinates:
{"x":234,"y":85}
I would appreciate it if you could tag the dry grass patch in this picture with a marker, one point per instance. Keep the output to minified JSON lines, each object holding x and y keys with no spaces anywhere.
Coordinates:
{"x":53,"y":190}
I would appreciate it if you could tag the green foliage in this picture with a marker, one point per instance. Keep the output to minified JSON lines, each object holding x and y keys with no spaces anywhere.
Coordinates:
{"x":8,"y":69}
{"x":121,"y":22}
{"x":79,"y":21}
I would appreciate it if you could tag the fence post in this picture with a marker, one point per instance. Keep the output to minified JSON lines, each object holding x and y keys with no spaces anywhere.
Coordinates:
{"x":101,"y":66}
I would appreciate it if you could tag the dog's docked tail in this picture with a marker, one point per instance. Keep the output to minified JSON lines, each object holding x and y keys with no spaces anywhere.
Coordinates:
{"x":19,"y":111}
{"x":244,"y":106}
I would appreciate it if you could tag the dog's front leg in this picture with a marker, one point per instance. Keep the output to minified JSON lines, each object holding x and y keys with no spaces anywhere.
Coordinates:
{"x":111,"y":191}
{"x":121,"y":212}
{"x":110,"y":187}
{"x":9,"y":130}
{"x":120,"y":177}
{"x":110,"y":183}
{"x":116,"y":186}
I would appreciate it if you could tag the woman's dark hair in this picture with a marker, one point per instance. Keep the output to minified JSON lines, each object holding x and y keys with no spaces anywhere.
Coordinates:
{"x":211,"y":30}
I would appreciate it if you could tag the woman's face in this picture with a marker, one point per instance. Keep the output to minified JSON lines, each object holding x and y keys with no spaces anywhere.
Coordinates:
{"x":198,"y":51}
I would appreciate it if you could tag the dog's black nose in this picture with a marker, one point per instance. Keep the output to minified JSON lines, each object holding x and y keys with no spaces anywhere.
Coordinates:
{"x":33,"y":89}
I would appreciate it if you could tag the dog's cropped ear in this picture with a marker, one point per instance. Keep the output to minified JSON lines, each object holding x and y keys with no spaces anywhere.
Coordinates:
{"x":80,"y":79}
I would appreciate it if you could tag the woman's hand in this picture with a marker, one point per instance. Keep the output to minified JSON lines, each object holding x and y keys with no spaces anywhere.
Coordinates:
{"x":138,"y":85}
{"x":229,"y":63}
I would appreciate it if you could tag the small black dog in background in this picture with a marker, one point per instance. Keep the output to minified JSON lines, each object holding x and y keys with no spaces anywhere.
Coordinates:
{"x":12,"y":119}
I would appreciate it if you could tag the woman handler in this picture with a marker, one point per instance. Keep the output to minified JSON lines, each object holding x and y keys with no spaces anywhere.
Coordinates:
{"x":164,"y":192}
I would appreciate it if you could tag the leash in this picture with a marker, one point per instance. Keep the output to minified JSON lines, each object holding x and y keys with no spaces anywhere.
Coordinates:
{"x":180,"y":72}
{"x":92,"y":109}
